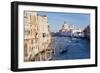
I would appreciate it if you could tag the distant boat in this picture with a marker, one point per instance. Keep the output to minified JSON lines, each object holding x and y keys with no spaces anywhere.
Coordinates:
{"x":63,"y":51}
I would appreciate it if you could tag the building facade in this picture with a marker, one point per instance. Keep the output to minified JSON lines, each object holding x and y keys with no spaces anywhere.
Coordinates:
{"x":87,"y":32}
{"x":37,"y":37}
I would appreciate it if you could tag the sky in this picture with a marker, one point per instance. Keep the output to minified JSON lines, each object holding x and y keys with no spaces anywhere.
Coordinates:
{"x":56,"y":20}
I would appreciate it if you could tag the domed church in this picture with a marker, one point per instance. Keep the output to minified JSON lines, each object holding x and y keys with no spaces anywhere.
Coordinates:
{"x":65,"y":27}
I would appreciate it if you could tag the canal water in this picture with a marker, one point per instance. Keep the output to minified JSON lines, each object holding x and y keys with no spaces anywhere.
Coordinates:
{"x":67,"y":48}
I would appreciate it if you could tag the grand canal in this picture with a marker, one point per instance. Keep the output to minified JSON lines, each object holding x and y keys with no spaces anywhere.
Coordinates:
{"x":67,"y":48}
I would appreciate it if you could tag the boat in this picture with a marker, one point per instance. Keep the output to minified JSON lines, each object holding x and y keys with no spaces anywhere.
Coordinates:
{"x":63,"y":51}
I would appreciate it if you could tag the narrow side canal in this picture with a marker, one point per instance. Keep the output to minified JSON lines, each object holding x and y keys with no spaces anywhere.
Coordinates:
{"x":67,"y":48}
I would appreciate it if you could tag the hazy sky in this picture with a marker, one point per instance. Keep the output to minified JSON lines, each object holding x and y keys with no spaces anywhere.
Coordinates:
{"x":56,"y":20}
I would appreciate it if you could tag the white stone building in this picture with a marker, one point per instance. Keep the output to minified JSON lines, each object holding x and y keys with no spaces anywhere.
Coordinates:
{"x":65,"y":27}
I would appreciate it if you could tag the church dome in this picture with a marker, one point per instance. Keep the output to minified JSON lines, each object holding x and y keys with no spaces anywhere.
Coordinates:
{"x":65,"y":26}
